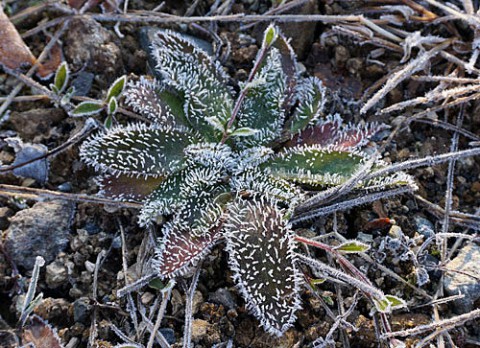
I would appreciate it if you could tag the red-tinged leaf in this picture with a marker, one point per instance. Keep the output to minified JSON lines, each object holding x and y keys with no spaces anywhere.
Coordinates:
{"x":40,"y":334}
{"x":260,"y":244}
{"x":332,"y":131}
{"x":127,"y":188}
{"x":180,"y":250}
{"x":14,"y":53}
{"x":357,"y":136}
{"x":322,"y":134}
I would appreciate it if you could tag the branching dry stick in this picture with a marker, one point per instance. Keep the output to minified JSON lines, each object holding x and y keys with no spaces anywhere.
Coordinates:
{"x":409,"y":69}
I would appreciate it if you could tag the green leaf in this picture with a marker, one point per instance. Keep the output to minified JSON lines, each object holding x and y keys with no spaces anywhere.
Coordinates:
{"x":155,"y":101}
{"x":61,"y":77}
{"x":314,"y":165}
{"x":116,"y":89}
{"x":199,"y":80}
{"x":216,"y":123}
{"x":112,"y":106}
{"x":156,"y":284}
{"x":244,"y":132}
{"x":197,"y":187}
{"x":87,"y":108}
{"x":138,"y":150}
{"x":310,"y":94}
{"x":108,"y":122}
{"x":262,"y":108}
{"x":395,"y":302}
{"x":389,"y":303}
{"x":262,"y":258}
{"x":352,"y":246}
{"x":270,"y":36}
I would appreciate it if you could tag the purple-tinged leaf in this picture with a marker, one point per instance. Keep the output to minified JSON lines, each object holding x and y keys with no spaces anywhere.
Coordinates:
{"x":180,"y":249}
{"x":127,"y":188}
{"x":137,"y":150}
{"x":40,"y":334}
{"x":332,"y":131}
{"x":261,"y":255}
{"x":321,"y":134}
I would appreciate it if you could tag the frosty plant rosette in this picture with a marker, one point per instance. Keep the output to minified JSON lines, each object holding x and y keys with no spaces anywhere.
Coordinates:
{"x":237,"y":168}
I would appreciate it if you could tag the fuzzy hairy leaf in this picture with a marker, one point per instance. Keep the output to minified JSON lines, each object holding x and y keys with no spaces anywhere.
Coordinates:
{"x":152,"y":100}
{"x":190,"y":235}
{"x":262,"y":108}
{"x":40,"y":334}
{"x":261,"y":255}
{"x":332,"y":131}
{"x":179,"y":188}
{"x":127,"y":188}
{"x":191,"y":71}
{"x":87,"y":108}
{"x":310,"y":93}
{"x":315,"y":165}
{"x":137,"y":150}
{"x":254,"y":182}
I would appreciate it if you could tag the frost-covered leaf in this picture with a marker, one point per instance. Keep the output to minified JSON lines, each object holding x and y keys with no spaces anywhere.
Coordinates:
{"x":40,"y":334}
{"x":152,"y":100}
{"x":180,"y":250}
{"x":127,"y":188}
{"x":87,"y":108}
{"x":116,"y":89}
{"x":315,"y":165}
{"x":137,"y":150}
{"x":254,"y":182}
{"x":61,"y":78}
{"x":270,"y":35}
{"x":262,"y":108}
{"x":192,"y":72}
{"x":332,"y":131}
{"x":112,"y":106}
{"x":310,"y":94}
{"x":389,"y":303}
{"x":352,"y":246}
{"x":179,"y":188}
{"x":261,"y":255}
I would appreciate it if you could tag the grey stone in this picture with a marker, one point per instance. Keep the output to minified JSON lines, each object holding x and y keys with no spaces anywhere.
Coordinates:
{"x":81,"y":310}
{"x":468,"y":263}
{"x":168,"y":334}
{"x":224,"y":297}
{"x":56,"y":274}
{"x":424,"y":226}
{"x":41,"y":230}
